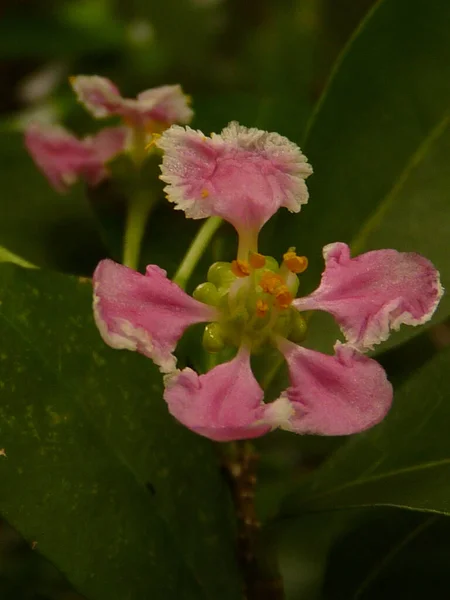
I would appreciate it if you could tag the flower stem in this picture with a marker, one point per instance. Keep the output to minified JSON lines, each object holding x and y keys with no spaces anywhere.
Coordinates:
{"x":256,"y":553}
{"x":139,"y":209}
{"x":196,"y":250}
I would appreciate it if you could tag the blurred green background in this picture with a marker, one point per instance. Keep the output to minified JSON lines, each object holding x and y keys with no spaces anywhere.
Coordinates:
{"x":265,"y":63}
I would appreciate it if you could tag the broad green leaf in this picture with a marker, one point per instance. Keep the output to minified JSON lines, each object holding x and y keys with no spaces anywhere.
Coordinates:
{"x":388,"y":95}
{"x":404,"y":461}
{"x":393,"y":554}
{"x":37,"y":223}
{"x":121,"y":498}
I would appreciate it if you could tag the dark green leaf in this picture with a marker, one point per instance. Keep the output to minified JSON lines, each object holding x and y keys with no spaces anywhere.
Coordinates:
{"x":392,"y":555}
{"x":404,"y":461}
{"x":125,"y":501}
{"x":374,"y":137}
{"x":37,"y":223}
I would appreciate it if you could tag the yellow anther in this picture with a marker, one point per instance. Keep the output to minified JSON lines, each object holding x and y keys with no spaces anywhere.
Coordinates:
{"x":240,"y":268}
{"x":295,"y":264}
{"x":204,"y":193}
{"x":257,"y":261}
{"x":261,"y":308}
{"x":72,"y":79}
{"x":152,"y":142}
{"x":270,"y":282}
{"x":283,"y":297}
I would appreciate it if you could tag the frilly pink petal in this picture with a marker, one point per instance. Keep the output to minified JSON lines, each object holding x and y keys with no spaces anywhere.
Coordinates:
{"x":147,"y":313}
{"x":64,"y":159}
{"x":334,"y":395}
{"x":165,"y":105}
{"x":375,"y":292}
{"x":223,"y":405}
{"x":242,"y":175}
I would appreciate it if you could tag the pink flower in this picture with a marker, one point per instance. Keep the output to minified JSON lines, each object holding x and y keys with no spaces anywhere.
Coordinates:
{"x":153,"y":109}
{"x":250,"y":302}
{"x":64,"y":159}
{"x":242,"y":175}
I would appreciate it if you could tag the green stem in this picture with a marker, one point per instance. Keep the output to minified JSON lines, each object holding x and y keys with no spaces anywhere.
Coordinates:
{"x":138,"y":211}
{"x":248,"y":242}
{"x":196,"y":250}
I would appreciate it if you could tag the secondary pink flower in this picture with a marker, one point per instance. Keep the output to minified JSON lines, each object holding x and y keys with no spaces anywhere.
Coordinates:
{"x":147,"y":313}
{"x":161,"y":105}
{"x":225,"y":404}
{"x":64,"y":159}
{"x":375,"y":292}
{"x":242,"y":175}
{"x":334,"y":395}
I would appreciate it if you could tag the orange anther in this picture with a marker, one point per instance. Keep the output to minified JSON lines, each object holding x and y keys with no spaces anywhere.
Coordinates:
{"x":257,"y":261}
{"x":283,"y":297}
{"x":204,"y":193}
{"x":295,"y":264}
{"x":270,"y":282}
{"x":261,"y":308}
{"x":240,"y":268}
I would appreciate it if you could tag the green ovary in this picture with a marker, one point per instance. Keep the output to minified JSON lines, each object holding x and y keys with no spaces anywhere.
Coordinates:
{"x":250,"y":311}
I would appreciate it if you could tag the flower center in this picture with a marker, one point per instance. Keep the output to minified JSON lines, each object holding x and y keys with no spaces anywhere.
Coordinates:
{"x":254,"y":298}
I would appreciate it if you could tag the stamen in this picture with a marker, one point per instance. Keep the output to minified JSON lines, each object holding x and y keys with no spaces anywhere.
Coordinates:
{"x":257,"y":261}
{"x":240,"y":268}
{"x":283,"y":297}
{"x":270,"y":282}
{"x":204,"y":193}
{"x":261,"y":308}
{"x":152,"y":142}
{"x":295,"y":264}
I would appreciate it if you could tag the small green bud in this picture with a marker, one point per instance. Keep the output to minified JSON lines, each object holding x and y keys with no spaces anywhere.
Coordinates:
{"x":213,"y":338}
{"x":207,"y":293}
{"x":271,"y":264}
{"x":221,"y":275}
{"x":298,"y":328}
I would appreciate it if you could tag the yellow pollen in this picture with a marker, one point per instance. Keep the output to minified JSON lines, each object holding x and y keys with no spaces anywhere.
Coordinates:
{"x":261,"y":308}
{"x":204,"y":193}
{"x":257,"y":261}
{"x":283,"y":297}
{"x":270,"y":282}
{"x":152,"y":142}
{"x":72,"y":79}
{"x":240,"y":268}
{"x":295,"y":264}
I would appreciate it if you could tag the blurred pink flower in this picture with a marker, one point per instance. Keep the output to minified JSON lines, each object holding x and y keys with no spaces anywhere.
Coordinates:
{"x":154,"y":109}
{"x":64,"y":159}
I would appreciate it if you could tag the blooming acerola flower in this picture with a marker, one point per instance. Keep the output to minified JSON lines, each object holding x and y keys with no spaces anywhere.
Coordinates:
{"x":153,"y":110}
{"x":245,"y":175}
{"x":64,"y":159}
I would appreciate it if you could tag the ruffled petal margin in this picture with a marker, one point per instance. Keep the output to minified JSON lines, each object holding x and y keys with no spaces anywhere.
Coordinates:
{"x":334,"y":395}
{"x":242,"y":175}
{"x":375,"y":292}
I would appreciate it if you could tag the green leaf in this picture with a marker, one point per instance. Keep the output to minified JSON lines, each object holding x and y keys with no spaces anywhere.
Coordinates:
{"x":40,"y":225}
{"x":124,"y":500}
{"x":386,"y":100}
{"x":403,"y":462}
{"x":393,"y":555}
